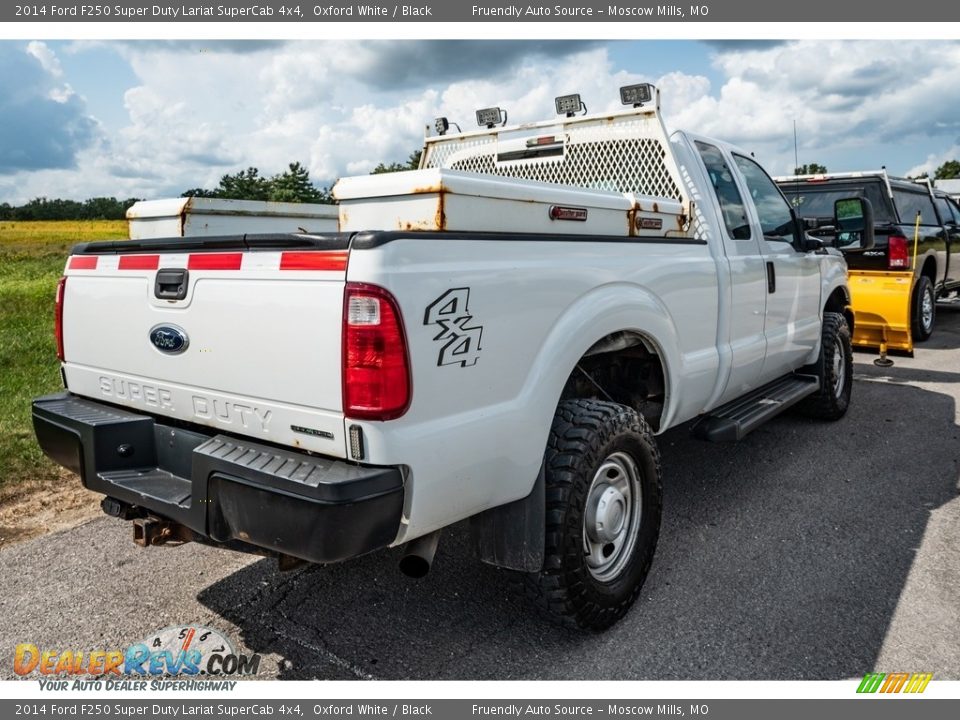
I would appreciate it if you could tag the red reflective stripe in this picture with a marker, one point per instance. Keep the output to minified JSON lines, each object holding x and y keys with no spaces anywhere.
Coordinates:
{"x":139,"y":262}
{"x":314,"y":260}
{"x":80,"y":262}
{"x":215,"y":261}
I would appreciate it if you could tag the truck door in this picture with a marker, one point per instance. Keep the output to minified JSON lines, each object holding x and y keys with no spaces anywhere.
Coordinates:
{"x":745,"y":341}
{"x":950,"y":215}
{"x":792,"y":323}
{"x":912,"y":200}
{"x":952,"y":281}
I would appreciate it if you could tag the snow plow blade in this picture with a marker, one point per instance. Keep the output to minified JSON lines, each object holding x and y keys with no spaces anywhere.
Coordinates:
{"x":881,"y":308}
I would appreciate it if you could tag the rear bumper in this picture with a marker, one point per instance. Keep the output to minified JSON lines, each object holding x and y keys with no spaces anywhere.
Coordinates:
{"x":222,"y":487}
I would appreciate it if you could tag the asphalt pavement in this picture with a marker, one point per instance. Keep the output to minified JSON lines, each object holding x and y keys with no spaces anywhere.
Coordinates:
{"x":807,"y":551}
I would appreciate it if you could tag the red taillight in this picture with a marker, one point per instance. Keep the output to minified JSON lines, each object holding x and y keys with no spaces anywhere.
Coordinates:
{"x":58,"y":316}
{"x":376,"y":372}
{"x":898,"y":255}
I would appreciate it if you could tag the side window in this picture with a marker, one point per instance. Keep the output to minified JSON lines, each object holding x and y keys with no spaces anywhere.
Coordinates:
{"x":776,"y":221}
{"x":731,"y":202}
{"x":956,"y":211}
{"x":946,"y":211}
{"x":910,"y":203}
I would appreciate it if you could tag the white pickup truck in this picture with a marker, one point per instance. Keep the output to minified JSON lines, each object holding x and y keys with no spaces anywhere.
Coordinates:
{"x":498,"y":336}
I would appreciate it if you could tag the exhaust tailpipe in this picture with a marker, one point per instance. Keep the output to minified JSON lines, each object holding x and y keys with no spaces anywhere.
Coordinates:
{"x":418,"y":555}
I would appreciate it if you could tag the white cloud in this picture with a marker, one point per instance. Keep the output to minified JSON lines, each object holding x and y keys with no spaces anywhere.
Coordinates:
{"x":43,"y":124}
{"x":935,"y":160}
{"x":51,"y":64}
{"x":46,"y":56}
{"x":199,"y":110}
{"x":843,"y":95}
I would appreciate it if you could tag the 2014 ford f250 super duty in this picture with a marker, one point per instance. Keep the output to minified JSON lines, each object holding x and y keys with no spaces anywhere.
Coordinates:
{"x":496,"y":336}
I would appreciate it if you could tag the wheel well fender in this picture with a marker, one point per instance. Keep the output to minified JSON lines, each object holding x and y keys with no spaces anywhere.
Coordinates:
{"x":600,"y":313}
{"x":839,"y":302}
{"x":605,"y":312}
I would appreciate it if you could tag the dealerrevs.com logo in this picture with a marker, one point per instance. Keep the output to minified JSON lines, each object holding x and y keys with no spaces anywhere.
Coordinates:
{"x":187,"y":650}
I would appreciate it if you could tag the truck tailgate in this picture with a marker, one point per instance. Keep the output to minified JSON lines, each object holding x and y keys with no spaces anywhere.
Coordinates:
{"x":247,"y":342}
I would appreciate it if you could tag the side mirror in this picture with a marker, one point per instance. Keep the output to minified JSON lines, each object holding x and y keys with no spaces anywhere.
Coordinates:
{"x":809,"y":243}
{"x":853,"y":220}
{"x":804,"y":242}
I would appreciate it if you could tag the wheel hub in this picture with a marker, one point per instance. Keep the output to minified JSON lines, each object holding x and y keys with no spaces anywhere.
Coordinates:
{"x":611,"y":518}
{"x":839,"y":369}
{"x":606,"y":514}
{"x":927,"y":311}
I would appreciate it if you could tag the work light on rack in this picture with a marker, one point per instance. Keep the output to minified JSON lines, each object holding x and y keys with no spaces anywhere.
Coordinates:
{"x":569,"y":105}
{"x":490,"y":117}
{"x":639,"y":95}
{"x":442,"y":126}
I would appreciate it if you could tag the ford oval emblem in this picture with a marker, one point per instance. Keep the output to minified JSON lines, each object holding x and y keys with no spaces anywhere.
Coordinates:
{"x":169,"y":339}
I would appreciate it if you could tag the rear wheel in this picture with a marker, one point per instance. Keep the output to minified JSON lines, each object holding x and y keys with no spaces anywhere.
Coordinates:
{"x":924,"y":309}
{"x":603,"y":509}
{"x":834,"y":368}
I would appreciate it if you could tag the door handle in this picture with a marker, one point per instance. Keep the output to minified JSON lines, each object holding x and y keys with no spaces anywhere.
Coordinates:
{"x":171,"y":284}
{"x":771,"y":278}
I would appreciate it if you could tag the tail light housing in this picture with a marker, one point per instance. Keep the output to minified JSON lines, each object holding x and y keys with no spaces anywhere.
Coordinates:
{"x":58,"y":316}
{"x":898,"y":253}
{"x":376,"y":366}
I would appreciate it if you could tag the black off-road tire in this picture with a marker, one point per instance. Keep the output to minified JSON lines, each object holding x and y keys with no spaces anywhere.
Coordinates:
{"x":836,"y":378}
{"x":584,"y":436}
{"x":921,"y":326}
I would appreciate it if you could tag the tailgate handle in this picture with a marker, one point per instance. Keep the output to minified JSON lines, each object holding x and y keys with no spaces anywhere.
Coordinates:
{"x":171,"y":284}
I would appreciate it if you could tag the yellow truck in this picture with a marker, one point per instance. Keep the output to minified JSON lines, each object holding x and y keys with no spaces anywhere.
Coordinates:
{"x":914,"y":262}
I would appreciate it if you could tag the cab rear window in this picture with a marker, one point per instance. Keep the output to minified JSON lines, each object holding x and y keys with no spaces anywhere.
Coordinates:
{"x":910,"y":203}
{"x":814,"y":200}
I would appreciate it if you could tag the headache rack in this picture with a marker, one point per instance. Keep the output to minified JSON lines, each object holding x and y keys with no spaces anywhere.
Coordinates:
{"x":623,"y":152}
{"x":610,"y":174}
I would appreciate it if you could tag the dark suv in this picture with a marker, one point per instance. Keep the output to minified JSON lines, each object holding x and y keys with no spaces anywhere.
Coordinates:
{"x":896,"y":203}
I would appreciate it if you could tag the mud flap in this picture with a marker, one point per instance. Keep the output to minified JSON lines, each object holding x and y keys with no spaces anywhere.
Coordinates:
{"x":881,"y":307}
{"x":511,"y":536}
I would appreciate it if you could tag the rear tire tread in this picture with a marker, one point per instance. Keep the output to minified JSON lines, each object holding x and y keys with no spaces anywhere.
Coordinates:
{"x":581,"y":430}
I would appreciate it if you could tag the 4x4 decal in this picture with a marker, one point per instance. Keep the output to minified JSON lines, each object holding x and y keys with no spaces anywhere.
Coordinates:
{"x":450,"y":312}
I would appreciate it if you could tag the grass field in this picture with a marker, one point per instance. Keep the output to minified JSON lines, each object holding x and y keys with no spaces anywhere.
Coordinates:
{"x":32,"y":258}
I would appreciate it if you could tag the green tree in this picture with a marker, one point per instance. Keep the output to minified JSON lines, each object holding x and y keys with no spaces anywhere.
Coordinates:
{"x":810,"y":169}
{"x":198,"y":192}
{"x":948,"y":171}
{"x":413,"y":162}
{"x":104,"y":208}
{"x":41,"y":208}
{"x":326,"y":195}
{"x":293,"y":185}
{"x":382,"y":168}
{"x":245,"y":185}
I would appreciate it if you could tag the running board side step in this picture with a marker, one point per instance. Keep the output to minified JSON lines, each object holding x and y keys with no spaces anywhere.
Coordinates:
{"x":732,"y":422}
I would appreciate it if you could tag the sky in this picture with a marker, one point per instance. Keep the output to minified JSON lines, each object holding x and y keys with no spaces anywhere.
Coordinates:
{"x":150,"y":119}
